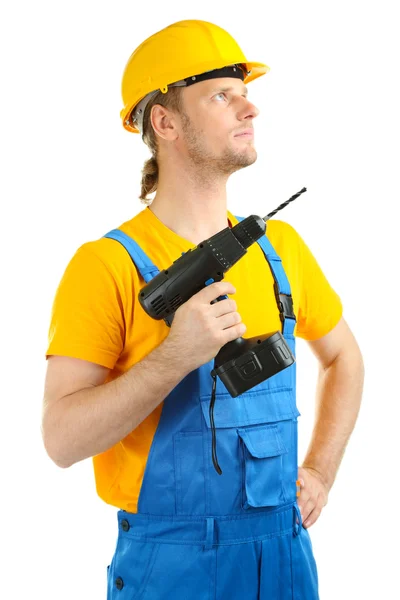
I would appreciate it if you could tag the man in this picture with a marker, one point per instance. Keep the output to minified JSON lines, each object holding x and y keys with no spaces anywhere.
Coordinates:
{"x":135,"y":395}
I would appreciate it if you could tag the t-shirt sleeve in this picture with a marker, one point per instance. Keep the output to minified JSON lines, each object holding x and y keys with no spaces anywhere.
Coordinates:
{"x":87,"y":318}
{"x":319,"y":306}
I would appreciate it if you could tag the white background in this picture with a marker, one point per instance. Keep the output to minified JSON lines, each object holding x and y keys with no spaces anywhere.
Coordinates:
{"x":329,"y":121}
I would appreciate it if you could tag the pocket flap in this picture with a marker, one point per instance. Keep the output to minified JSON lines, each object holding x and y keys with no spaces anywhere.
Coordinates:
{"x":253,"y":407}
{"x":263,"y":441}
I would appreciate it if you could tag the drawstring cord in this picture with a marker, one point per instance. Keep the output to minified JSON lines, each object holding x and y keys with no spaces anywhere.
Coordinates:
{"x":213,"y":432}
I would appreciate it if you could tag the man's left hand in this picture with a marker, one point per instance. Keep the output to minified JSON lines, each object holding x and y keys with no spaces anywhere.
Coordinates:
{"x":313,"y":495}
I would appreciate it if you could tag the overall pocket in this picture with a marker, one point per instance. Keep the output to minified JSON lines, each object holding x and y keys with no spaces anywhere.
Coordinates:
{"x":263,"y":451}
{"x":256,"y":439}
{"x":131,"y":568}
{"x":182,"y":572}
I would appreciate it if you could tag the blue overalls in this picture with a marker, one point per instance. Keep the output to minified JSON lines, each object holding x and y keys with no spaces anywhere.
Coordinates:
{"x":199,"y":535}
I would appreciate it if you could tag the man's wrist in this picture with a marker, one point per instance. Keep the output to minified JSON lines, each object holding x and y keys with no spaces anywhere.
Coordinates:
{"x":319,"y":473}
{"x":169,"y":354}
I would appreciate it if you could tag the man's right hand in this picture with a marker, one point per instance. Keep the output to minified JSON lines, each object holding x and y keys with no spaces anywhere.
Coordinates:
{"x":200,"y":329}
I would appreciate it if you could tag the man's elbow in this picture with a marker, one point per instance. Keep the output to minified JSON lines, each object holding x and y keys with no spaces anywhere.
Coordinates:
{"x":350,"y":363}
{"x":53,"y":446}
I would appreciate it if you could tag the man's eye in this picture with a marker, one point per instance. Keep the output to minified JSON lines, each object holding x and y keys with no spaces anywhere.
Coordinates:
{"x":222,"y":94}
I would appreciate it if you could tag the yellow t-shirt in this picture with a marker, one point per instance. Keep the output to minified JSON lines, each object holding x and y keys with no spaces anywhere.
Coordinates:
{"x":97,"y":316}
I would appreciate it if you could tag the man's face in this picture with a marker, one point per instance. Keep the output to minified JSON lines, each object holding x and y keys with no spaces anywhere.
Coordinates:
{"x":217,"y":125}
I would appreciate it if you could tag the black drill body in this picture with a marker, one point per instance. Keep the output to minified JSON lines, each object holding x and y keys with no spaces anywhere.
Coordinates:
{"x":194,"y":270}
{"x":244,"y":362}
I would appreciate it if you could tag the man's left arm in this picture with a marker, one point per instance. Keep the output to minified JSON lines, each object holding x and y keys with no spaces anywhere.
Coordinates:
{"x":338,"y":398}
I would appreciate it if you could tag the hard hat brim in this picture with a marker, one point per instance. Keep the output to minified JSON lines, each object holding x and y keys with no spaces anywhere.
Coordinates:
{"x":254,"y":70}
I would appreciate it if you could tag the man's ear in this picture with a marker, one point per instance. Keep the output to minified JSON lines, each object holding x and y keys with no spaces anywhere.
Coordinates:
{"x":164,"y":122}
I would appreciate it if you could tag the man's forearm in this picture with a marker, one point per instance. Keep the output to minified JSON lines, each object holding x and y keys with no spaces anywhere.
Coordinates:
{"x":339,"y":392}
{"x":92,"y":420}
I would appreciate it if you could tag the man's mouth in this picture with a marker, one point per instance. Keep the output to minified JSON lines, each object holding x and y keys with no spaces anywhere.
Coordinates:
{"x":246,"y":133}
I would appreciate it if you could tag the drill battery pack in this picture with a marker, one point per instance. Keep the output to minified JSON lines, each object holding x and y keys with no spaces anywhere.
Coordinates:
{"x":248,"y":362}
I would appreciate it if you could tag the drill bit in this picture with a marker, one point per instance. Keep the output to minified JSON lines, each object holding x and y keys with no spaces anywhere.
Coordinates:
{"x":271,"y":214}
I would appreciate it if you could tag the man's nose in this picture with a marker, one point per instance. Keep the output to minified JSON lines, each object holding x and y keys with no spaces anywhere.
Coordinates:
{"x":248,"y":110}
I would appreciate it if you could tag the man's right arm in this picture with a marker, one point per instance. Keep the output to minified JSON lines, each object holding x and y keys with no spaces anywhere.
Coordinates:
{"x":83,"y":416}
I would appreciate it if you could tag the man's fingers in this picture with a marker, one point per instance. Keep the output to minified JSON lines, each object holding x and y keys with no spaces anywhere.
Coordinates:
{"x":313,"y":516}
{"x":213,"y":291}
{"x":303,"y":498}
{"x":307,"y":509}
{"x":311,"y":499}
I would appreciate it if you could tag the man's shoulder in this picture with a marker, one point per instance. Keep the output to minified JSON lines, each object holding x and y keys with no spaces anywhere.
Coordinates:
{"x":108,"y":250}
{"x":283,"y":237}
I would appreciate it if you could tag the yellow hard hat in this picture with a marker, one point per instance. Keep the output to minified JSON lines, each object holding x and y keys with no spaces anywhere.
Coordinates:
{"x":182,"y":50}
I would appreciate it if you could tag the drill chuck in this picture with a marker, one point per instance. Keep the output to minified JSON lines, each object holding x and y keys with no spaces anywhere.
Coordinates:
{"x":249,"y":230}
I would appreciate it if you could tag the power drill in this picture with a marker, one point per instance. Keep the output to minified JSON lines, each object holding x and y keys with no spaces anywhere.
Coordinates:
{"x":242,"y":363}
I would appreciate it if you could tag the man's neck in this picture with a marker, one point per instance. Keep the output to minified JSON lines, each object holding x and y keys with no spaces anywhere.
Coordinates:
{"x":193,"y":212}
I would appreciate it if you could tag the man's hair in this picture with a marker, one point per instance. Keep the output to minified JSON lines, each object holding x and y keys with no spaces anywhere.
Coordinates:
{"x":172,"y":100}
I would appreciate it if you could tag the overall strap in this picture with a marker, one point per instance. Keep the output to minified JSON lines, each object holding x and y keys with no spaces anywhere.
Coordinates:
{"x":146,"y":267}
{"x":282,"y":290}
{"x":281,"y":285}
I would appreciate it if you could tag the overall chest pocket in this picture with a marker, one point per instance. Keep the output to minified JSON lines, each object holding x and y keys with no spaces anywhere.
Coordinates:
{"x":257,"y":431}
{"x":263,"y":466}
